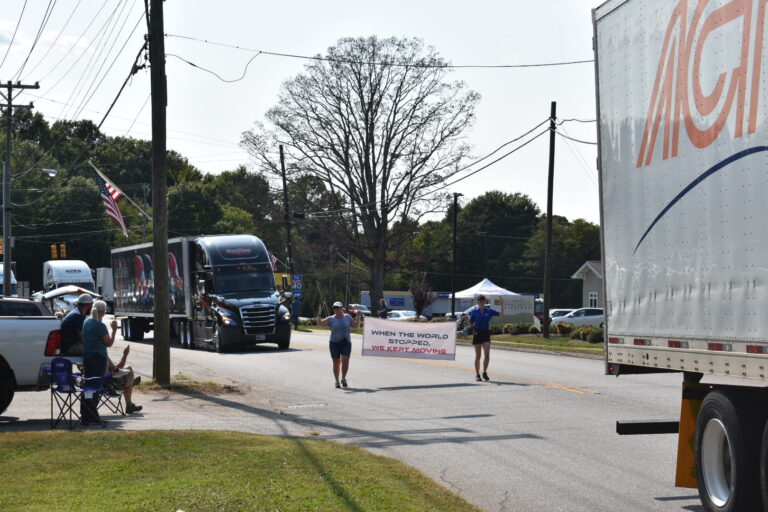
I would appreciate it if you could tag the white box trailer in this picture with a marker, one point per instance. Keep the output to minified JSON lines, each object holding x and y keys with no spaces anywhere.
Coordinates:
{"x":682,"y":108}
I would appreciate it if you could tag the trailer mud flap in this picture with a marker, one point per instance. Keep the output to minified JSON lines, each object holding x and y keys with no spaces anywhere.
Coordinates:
{"x":693,"y":394}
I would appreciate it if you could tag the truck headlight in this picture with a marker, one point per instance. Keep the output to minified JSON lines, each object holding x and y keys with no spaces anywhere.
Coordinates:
{"x":228,"y":321}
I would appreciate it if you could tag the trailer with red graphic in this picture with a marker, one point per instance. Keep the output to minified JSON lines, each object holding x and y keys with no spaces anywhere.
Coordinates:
{"x":682,"y":110}
{"x":222,"y":292}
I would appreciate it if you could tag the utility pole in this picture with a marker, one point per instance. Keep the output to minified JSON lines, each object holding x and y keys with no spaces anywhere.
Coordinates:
{"x":7,"y":241}
{"x":545,"y":320}
{"x":287,"y":214}
{"x":161,"y":368}
{"x":453,"y":258}
{"x":349,"y":272}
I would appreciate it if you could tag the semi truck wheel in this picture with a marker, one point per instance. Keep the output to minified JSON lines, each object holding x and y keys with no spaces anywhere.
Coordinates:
{"x":7,"y":386}
{"x":186,"y":333}
{"x":284,"y":337}
{"x":726,"y":458}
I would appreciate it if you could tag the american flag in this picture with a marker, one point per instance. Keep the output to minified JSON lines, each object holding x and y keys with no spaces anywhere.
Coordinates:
{"x":109,"y":195}
{"x":273,"y":260}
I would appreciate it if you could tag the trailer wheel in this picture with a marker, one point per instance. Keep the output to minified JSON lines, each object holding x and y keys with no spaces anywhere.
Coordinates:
{"x":7,"y":386}
{"x":186,"y":334}
{"x":726,"y":458}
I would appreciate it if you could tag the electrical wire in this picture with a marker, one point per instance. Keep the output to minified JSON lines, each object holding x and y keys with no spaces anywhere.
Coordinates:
{"x":138,"y":114}
{"x":580,"y":160}
{"x":46,"y":18}
{"x":577,"y":140}
{"x":472,"y":164}
{"x":7,"y":50}
{"x":53,"y":44}
{"x":245,"y":70}
{"x":383,"y":63}
{"x":573,"y":120}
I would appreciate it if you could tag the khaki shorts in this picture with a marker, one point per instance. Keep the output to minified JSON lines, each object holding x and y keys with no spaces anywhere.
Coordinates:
{"x":120,"y":378}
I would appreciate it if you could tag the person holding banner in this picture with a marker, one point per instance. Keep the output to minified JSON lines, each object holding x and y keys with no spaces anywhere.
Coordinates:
{"x":340,"y":343}
{"x":480,"y":320}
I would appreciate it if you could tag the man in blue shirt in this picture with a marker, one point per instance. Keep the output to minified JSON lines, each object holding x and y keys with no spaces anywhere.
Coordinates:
{"x":295,"y":312}
{"x":480,"y":319}
{"x":72,"y":327}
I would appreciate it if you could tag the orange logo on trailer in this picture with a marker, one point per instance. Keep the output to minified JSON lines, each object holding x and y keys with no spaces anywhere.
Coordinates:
{"x":678,"y":96}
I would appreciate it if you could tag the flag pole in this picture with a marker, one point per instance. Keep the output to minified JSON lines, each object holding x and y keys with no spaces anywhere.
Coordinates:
{"x":121,"y":192}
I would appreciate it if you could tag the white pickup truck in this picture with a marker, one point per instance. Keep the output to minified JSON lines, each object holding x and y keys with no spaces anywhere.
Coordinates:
{"x":29,"y":337}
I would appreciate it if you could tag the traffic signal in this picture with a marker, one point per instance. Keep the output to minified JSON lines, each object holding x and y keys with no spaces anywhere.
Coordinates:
{"x":63,"y":251}
{"x":53,"y":252}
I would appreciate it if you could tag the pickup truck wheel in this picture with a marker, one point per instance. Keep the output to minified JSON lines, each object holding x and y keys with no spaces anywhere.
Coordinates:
{"x":7,"y":386}
{"x":726,"y":458}
{"x":217,"y":345}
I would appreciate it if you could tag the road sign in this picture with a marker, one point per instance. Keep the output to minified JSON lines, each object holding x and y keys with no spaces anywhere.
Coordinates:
{"x":296,"y":277}
{"x":298,"y":295}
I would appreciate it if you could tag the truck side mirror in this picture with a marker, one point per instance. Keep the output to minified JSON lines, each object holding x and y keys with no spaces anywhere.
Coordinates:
{"x":284,"y":279}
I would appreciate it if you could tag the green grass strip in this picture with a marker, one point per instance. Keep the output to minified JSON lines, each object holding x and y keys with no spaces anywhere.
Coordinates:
{"x":205,"y":471}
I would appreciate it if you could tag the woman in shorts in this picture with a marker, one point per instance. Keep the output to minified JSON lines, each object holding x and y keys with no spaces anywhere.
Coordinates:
{"x":340,"y":343}
{"x":480,"y":319}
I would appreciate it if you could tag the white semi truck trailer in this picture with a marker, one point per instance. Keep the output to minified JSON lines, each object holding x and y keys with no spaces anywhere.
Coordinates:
{"x":682,"y":109}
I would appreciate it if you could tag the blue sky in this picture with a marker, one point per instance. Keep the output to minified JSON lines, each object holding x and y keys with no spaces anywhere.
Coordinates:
{"x":207,"y":116}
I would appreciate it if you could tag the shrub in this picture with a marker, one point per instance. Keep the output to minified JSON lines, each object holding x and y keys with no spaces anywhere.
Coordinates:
{"x":576,"y":333}
{"x":508,"y":329}
{"x":585,"y":332}
{"x":563,"y":328}
{"x":495,"y":329}
{"x":596,"y":336}
{"x":533,"y":330}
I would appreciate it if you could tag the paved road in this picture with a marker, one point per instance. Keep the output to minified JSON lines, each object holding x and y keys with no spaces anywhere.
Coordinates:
{"x":540,"y":436}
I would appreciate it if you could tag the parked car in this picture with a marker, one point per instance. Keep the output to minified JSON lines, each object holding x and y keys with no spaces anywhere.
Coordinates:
{"x":404,"y":316}
{"x":560,"y":312}
{"x":581,"y":317}
{"x":354,"y":309}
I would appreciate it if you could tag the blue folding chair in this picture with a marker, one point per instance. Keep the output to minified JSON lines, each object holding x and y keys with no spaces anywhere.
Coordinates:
{"x":65,"y":394}
{"x":112,"y":398}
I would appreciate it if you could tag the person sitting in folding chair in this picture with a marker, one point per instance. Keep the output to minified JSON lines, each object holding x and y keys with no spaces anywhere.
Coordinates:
{"x":96,"y":339}
{"x":124,"y":379}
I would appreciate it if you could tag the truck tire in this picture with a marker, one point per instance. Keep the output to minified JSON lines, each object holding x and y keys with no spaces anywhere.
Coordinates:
{"x":284,"y":337}
{"x":764,"y":467}
{"x":135,"y":328}
{"x":186,"y":334}
{"x":7,"y":386}
{"x":726,"y":455}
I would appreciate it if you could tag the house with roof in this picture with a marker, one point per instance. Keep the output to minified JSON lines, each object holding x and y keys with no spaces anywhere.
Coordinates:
{"x":591,"y":274}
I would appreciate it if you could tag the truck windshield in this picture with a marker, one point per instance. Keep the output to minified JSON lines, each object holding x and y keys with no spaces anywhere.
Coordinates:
{"x":233,"y":282}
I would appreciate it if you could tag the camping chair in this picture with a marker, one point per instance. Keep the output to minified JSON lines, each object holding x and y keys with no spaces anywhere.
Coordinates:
{"x":90,"y":386}
{"x":112,"y":398}
{"x":64,"y":393}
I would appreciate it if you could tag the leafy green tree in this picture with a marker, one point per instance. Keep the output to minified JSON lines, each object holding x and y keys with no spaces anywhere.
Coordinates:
{"x":193,"y":210}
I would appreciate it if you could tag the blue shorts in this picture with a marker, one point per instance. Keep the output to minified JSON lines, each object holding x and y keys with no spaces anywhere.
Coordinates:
{"x":340,"y":348}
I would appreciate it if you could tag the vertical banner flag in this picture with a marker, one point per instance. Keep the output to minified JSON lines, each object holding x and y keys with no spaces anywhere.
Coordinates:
{"x":109,"y":196}
{"x":273,"y":261}
{"x":417,"y":340}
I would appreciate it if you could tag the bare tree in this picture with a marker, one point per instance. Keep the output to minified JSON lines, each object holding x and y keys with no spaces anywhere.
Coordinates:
{"x":421,"y":293}
{"x":378,"y":121}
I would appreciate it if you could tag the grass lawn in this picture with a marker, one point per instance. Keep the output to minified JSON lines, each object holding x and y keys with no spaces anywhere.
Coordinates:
{"x":205,"y":471}
{"x":554,"y":343}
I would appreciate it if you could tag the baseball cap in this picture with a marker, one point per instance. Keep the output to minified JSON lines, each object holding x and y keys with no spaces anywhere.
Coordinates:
{"x":338,"y":304}
{"x":85,"y":299}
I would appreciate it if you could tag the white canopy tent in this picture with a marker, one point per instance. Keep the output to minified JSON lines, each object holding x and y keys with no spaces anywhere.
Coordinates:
{"x":485,"y":287}
{"x":512,"y":306}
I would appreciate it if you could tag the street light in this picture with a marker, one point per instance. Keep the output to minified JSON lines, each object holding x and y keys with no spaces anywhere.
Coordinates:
{"x":7,"y":249}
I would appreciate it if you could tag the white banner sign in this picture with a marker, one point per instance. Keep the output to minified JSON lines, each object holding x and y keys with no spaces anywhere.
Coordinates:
{"x":418,"y":340}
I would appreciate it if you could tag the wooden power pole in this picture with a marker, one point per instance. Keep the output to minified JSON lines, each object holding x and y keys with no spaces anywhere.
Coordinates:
{"x":161,"y":369}
{"x":545,"y":320}
{"x":7,"y":240}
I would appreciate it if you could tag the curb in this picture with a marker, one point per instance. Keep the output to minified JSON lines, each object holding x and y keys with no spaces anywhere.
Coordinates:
{"x":538,"y":351}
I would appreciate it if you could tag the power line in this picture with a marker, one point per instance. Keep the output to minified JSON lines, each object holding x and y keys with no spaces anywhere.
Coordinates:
{"x":382,"y":63}
{"x":46,"y":18}
{"x":7,"y":50}
{"x":245,"y":70}
{"x":138,"y":114}
{"x":577,"y":140}
{"x":473,"y":163}
{"x":573,"y":120}
{"x":53,"y":44}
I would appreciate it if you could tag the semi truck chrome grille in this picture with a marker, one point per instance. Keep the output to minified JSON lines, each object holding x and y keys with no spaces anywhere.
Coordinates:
{"x":258,"y":319}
